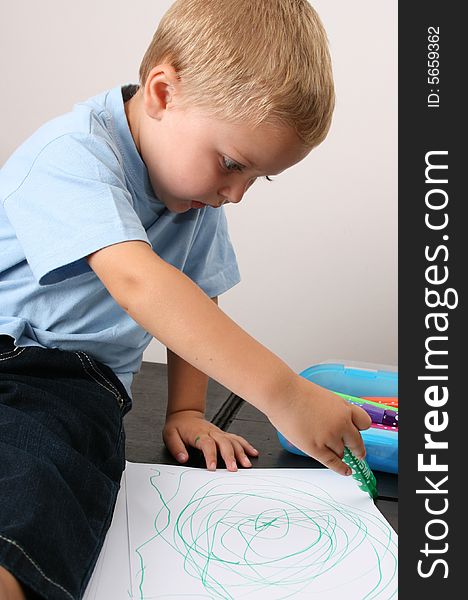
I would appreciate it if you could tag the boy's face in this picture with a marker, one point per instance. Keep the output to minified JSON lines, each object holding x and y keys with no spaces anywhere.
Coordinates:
{"x":194,"y":160}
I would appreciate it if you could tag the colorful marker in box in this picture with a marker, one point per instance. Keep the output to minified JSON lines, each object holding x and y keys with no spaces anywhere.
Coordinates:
{"x":381,"y":414}
{"x":391,"y":401}
{"x":384,"y":427}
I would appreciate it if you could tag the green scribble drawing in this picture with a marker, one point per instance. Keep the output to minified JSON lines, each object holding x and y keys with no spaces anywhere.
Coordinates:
{"x":266,"y":537}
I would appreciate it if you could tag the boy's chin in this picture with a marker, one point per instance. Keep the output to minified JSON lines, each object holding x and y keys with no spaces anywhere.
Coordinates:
{"x":178,"y":206}
{"x":184,"y":206}
{"x":178,"y":210}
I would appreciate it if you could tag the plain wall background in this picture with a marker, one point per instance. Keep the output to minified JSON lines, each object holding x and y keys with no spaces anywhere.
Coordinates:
{"x":317,"y":248}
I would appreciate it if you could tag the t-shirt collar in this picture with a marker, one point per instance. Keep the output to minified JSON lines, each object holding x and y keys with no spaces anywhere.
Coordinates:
{"x":133,"y":162}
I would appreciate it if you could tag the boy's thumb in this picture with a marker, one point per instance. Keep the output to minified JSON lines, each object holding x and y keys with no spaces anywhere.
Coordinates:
{"x":360,"y":418}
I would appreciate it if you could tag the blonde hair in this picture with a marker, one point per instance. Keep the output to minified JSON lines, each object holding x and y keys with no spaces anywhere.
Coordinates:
{"x":249,"y":61}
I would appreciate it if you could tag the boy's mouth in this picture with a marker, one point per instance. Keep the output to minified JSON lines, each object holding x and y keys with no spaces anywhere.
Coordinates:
{"x":196,"y":204}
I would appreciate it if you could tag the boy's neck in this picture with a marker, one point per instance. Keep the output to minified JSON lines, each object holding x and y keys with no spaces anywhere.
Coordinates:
{"x":132,"y":111}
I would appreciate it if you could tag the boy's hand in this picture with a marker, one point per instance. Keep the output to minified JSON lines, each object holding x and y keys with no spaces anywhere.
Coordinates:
{"x":189,"y":428}
{"x":320,"y":423}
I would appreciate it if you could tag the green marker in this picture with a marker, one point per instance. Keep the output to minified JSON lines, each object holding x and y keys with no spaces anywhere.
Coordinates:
{"x":361,"y":473}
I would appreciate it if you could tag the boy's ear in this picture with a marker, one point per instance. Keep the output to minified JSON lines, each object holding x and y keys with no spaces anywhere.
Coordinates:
{"x":160,"y":88}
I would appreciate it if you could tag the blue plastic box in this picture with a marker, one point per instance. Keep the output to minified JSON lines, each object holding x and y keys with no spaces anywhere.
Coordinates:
{"x":381,"y":445}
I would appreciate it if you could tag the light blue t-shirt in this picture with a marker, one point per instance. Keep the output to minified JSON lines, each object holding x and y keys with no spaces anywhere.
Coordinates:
{"x":75,"y":186}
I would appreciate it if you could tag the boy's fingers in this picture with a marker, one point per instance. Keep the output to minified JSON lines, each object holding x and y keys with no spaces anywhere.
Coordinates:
{"x":208,"y":447}
{"x":175,"y":445}
{"x":353,"y":439}
{"x":355,"y":443}
{"x":248,"y":448}
{"x":360,"y":418}
{"x":226,"y":448}
{"x":337,"y":448}
{"x":241,"y":455}
{"x":333,"y":462}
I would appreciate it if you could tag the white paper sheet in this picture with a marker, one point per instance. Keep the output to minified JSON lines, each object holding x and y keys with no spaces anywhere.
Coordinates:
{"x":256,"y":534}
{"x":111,"y":577}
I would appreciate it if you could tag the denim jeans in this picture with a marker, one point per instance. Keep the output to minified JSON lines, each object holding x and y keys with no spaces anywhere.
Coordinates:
{"x":62,"y":447}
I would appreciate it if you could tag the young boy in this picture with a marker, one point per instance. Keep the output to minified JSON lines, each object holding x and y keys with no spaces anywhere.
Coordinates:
{"x":112,"y":231}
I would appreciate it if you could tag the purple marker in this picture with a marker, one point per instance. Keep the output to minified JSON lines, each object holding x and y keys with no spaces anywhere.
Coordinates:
{"x":380,"y":415}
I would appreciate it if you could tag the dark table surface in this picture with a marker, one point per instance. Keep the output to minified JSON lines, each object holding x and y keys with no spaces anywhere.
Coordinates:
{"x":145,"y":421}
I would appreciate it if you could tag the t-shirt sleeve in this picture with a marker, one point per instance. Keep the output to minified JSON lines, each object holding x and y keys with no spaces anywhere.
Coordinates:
{"x":212,"y":262}
{"x":73,"y":201}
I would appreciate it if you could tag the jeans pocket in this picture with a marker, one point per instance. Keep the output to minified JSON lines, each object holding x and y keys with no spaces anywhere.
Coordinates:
{"x":8,"y":350}
{"x":92,"y":370}
{"x":97,"y":372}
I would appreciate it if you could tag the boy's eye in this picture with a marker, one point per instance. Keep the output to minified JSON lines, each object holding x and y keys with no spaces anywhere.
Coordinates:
{"x":231,"y":165}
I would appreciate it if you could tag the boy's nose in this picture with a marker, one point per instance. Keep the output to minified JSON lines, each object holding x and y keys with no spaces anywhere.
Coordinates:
{"x":235,"y":197}
{"x":232,"y":195}
{"x":235,"y":192}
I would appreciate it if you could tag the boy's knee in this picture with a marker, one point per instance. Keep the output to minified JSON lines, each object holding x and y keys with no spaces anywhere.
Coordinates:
{"x":10,"y":588}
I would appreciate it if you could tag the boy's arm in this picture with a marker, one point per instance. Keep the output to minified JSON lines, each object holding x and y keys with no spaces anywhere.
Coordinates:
{"x":187,"y":385}
{"x":185,"y":419}
{"x":167,"y":304}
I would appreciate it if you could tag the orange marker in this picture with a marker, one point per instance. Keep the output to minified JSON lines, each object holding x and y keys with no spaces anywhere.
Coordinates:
{"x":389,"y":401}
